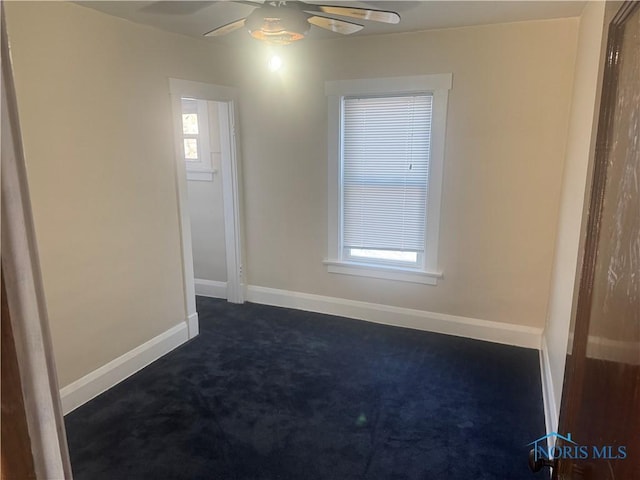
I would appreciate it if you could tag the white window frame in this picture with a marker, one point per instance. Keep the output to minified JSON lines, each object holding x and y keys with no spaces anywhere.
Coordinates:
{"x":437,"y":85}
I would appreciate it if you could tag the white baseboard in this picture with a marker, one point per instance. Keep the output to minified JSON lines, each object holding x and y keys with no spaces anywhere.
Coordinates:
{"x":193,"y":325}
{"x":105,"y":377}
{"x":548,"y":392}
{"x":490,"y":331}
{"x":210,"y":288}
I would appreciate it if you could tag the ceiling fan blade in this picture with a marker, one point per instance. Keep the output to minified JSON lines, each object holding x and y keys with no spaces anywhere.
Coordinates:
{"x":175,"y":8}
{"x":335,"y":25}
{"x":254,"y":3}
{"x":384,"y":16}
{"x":224,"y":29}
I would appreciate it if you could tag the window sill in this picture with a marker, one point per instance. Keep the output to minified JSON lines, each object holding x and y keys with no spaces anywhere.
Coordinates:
{"x":203,"y":175}
{"x":382,"y":271}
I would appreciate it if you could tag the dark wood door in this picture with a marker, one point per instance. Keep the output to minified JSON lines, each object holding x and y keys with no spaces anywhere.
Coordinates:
{"x":16,"y":461}
{"x":601,"y":401}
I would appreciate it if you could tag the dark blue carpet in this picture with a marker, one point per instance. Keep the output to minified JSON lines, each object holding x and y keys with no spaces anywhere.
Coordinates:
{"x":272,"y":393}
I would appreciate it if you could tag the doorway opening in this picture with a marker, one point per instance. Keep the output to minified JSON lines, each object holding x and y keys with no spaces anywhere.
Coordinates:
{"x":208,"y":193}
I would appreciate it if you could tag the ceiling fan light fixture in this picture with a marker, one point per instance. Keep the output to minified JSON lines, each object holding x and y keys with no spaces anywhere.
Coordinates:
{"x":277,"y":26}
{"x":275,"y":63}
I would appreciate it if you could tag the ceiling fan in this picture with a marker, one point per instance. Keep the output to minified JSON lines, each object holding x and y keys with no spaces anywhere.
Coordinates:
{"x":284,"y":22}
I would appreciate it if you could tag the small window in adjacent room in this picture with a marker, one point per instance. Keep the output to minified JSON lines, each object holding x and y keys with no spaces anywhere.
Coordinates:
{"x":386,"y":149}
{"x":195,"y":138}
{"x":190,"y":149}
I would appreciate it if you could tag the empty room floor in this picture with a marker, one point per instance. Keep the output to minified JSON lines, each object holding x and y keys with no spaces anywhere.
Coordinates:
{"x":273,"y":393}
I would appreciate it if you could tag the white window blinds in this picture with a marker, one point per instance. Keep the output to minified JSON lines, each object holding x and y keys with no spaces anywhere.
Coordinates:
{"x":385,"y":167}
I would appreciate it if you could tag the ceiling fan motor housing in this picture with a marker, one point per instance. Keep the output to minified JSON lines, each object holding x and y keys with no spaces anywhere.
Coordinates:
{"x":277,"y":25}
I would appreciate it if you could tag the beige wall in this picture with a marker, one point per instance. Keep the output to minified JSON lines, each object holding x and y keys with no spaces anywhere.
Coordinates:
{"x":580,"y":149}
{"x":94,"y":104}
{"x":506,"y":136}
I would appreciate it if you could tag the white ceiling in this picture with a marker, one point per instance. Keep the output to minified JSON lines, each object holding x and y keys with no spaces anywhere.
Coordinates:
{"x":194,"y":18}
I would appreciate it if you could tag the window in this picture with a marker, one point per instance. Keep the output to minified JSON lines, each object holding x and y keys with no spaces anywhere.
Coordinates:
{"x":386,"y":143}
{"x":195,"y":139}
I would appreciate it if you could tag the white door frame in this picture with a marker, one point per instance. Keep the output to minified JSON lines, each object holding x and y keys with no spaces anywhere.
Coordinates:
{"x":227,"y":96}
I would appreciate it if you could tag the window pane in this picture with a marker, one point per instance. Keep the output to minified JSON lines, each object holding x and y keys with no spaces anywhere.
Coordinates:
{"x":385,"y":169}
{"x":190,"y":123}
{"x":191,"y":149}
{"x":393,"y":255}
{"x":190,"y":116}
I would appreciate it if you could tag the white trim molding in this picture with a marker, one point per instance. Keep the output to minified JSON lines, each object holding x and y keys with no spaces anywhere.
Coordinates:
{"x":231,"y":194}
{"x":211,"y":288}
{"x":497,"y":332}
{"x":100,"y":380}
{"x":204,"y":175}
{"x":382,"y":271}
{"x":189,"y":88}
{"x":548,"y":392}
{"x":193,"y":325}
